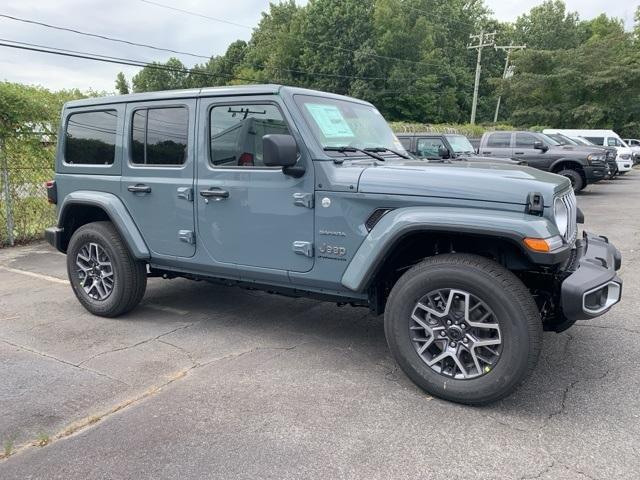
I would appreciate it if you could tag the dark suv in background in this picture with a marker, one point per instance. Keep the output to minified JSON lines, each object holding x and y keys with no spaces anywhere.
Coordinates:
{"x":447,"y":147}
{"x":610,"y":152}
{"x":582,"y":166}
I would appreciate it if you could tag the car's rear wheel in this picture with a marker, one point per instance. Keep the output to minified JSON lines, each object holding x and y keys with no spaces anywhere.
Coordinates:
{"x":463,"y":328}
{"x":577,"y":182}
{"x":105,"y":277}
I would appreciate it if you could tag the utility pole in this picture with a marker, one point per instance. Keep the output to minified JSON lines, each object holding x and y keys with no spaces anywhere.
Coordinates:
{"x":484,"y":40}
{"x":507,"y":71}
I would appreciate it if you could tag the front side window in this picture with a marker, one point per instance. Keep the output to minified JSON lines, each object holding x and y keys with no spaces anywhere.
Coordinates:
{"x":341,"y":123}
{"x":614,"y":142}
{"x":499,"y":140}
{"x":90,"y":138}
{"x":460,"y":144}
{"x":236,"y":133}
{"x":428,"y":147}
{"x":525,"y":140}
{"x":159,"y":136}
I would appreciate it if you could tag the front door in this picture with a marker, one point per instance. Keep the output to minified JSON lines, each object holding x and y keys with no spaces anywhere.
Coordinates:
{"x":157,"y":174}
{"x":249,"y":214}
{"x":534,"y":157}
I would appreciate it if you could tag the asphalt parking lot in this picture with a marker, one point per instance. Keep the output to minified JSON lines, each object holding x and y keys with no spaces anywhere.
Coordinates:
{"x":205,"y":381}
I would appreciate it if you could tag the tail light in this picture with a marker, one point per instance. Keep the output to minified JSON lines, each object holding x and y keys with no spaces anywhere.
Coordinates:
{"x":245,"y":160}
{"x":52,"y":192}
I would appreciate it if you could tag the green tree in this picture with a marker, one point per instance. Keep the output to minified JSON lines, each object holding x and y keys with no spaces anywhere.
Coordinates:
{"x":549,"y":27}
{"x":122,"y":86}
{"x":169,"y":76}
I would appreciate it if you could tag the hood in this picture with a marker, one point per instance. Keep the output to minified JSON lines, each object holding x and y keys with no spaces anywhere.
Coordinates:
{"x":474,"y":157}
{"x":464,"y":180}
{"x":582,"y":148}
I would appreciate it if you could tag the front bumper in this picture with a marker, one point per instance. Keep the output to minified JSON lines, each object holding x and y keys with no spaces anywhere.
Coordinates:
{"x":624,"y":165}
{"x":595,"y":173}
{"x":593,"y":287}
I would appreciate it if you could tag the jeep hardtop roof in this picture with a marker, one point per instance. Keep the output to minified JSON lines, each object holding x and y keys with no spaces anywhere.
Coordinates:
{"x":227,"y":91}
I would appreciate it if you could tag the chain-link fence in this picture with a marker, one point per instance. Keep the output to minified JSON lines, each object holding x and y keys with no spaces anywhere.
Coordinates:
{"x":24,"y":209}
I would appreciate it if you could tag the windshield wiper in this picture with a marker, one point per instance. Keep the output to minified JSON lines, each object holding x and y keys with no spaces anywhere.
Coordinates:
{"x":385,"y":149}
{"x":348,"y":148}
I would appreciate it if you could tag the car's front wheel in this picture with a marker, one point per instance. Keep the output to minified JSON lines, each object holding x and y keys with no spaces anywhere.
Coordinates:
{"x":577,"y":182}
{"x":105,"y":277}
{"x":463,"y":328}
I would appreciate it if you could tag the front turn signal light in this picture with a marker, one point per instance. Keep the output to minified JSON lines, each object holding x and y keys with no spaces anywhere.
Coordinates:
{"x":543,"y":245}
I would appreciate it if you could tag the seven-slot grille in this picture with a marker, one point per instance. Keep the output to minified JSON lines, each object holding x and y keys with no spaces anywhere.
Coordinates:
{"x":569,"y":200}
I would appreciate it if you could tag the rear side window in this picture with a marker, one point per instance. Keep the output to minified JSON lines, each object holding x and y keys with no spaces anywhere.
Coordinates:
{"x":499,"y":140}
{"x":525,"y":140}
{"x":596,"y":140}
{"x":159,"y":136}
{"x":406,"y":143}
{"x":236,"y":133}
{"x":90,"y":138}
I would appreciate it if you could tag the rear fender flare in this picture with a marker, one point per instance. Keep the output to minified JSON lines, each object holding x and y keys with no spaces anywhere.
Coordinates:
{"x":117,"y":213}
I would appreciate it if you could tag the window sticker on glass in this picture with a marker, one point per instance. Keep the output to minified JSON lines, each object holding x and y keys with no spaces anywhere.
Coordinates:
{"x":330,"y":120}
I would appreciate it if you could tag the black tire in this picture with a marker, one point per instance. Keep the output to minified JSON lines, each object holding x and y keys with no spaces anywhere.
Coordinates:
{"x":515,"y":312}
{"x":577,"y":182}
{"x":129,"y":275}
{"x":622,"y":173}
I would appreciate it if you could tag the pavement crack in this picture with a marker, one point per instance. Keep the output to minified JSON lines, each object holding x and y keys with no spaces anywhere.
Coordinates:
{"x":64,"y":362}
{"x":142,"y":342}
{"x":541,"y":472}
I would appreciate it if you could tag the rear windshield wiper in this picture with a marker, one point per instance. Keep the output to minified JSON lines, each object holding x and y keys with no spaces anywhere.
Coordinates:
{"x":385,"y":149}
{"x":348,"y":148}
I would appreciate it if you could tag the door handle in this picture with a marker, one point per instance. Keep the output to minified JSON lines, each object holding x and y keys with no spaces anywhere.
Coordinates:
{"x":139,"y":188}
{"x":486,"y":153}
{"x":214,"y":193}
{"x":519,"y":153}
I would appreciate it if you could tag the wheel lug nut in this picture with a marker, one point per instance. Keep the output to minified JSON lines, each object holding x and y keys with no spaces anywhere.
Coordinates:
{"x":442,"y":334}
{"x":453,"y":344}
{"x":448,"y":322}
{"x":464,"y":326}
{"x":465,"y":340}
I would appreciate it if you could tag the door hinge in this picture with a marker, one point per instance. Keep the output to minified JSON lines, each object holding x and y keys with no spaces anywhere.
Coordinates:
{"x":303,"y":200}
{"x":187,"y":236}
{"x":186,"y":193}
{"x":303,"y":248}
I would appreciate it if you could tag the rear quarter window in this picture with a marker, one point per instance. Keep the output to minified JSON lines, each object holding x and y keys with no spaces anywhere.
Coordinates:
{"x":90,"y":138}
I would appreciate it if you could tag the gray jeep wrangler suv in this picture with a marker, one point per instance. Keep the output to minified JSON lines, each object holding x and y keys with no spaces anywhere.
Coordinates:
{"x":305,"y":193}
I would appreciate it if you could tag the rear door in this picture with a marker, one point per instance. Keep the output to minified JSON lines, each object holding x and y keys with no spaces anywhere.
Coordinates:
{"x":157,"y":174}
{"x":498,"y":144}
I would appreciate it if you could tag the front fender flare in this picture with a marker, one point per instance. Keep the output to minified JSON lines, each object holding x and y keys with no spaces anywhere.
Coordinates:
{"x":395,"y":225}
{"x":117,"y":213}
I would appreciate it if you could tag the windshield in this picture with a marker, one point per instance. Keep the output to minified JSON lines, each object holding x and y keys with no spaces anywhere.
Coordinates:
{"x":548,"y":140}
{"x":341,"y":123}
{"x":582,"y":141}
{"x":460,"y":144}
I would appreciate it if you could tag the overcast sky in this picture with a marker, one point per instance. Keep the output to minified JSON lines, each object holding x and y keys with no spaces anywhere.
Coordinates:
{"x":141,"y":22}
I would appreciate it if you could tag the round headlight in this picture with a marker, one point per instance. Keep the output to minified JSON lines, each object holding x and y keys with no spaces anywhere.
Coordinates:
{"x":561,"y":216}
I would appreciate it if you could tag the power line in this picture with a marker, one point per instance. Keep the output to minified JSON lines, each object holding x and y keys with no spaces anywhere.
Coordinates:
{"x":108,"y":59}
{"x":103,"y":37}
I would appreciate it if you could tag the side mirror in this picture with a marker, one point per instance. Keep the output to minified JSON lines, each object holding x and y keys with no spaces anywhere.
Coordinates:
{"x":279,"y":150}
{"x":538,"y":145}
{"x":443,"y":152}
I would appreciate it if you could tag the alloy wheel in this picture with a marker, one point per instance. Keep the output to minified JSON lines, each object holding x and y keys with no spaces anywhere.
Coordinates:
{"x":456,"y":334}
{"x":95,"y":271}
